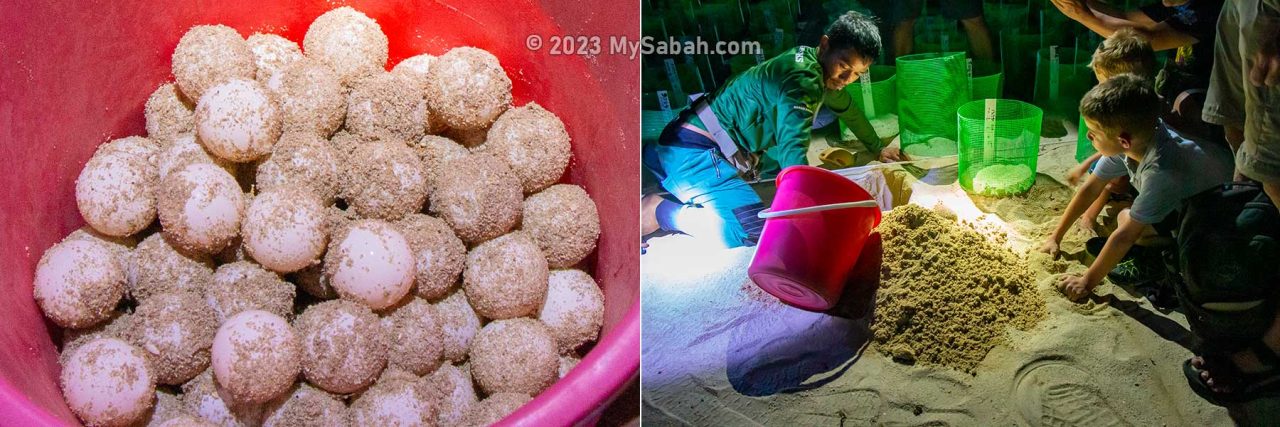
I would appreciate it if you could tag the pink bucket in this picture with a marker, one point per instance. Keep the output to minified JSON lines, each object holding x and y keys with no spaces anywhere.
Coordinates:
{"x":77,"y":74}
{"x":813,"y":235}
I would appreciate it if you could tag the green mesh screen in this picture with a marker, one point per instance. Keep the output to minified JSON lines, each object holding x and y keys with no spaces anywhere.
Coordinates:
{"x":931,"y":86}
{"x":999,"y":145}
{"x":1084,"y":148}
{"x":876,"y":94}
{"x":1059,"y":88}
{"x":987,"y":80}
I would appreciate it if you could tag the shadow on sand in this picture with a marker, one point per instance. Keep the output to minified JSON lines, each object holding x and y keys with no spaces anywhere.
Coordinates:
{"x":777,"y":350}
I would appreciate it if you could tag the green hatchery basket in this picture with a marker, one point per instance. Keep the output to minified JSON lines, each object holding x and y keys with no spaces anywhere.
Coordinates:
{"x":876,"y":94}
{"x":999,"y":146}
{"x":931,"y":86}
{"x":1062,"y":78}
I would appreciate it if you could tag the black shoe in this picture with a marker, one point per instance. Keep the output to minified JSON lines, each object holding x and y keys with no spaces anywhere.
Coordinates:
{"x":1137,"y":270}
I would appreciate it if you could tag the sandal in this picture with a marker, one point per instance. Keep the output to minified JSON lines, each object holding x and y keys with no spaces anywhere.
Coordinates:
{"x":1245,"y":386}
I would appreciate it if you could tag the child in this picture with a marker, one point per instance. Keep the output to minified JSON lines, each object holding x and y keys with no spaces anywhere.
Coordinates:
{"x":1124,"y":52}
{"x":1121,"y":115}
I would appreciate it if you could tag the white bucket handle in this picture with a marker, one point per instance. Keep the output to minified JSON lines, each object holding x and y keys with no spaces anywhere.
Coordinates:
{"x":766,"y":214}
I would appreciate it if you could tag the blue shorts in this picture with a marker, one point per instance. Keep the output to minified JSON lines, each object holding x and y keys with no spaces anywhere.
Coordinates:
{"x":717,"y":203}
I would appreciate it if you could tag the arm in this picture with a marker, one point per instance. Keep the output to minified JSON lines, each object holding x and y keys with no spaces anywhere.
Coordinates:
{"x":1136,"y":16}
{"x":842,"y":104}
{"x":794,"y":126}
{"x":1079,"y":171}
{"x":1161,"y":35}
{"x":1266,"y":62}
{"x":1118,"y":244}
{"x":1093,"y":186}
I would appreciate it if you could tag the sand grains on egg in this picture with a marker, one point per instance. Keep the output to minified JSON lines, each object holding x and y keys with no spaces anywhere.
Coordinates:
{"x":78,"y":283}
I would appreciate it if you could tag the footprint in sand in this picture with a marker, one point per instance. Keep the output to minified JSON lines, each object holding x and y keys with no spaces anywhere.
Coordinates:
{"x":1053,"y":393}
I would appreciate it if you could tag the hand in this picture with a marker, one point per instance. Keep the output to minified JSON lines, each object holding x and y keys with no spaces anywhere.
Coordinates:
{"x":1266,"y":62}
{"x":1076,"y":173}
{"x":1088,"y":225}
{"x":1075,"y":287}
{"x":1074,"y":9}
{"x":1050,"y":247}
{"x":892,"y":154}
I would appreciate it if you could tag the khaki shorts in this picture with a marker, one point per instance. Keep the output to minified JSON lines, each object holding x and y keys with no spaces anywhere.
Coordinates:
{"x":1232,"y":100}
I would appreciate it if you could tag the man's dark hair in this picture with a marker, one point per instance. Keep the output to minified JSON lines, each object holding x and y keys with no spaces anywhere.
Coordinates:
{"x":856,"y":31}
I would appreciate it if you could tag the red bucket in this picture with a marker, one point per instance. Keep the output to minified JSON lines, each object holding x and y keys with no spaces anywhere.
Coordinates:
{"x":76,"y":74}
{"x":813,"y":235}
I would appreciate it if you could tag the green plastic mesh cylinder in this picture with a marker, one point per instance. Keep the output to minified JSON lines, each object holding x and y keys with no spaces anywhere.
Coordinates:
{"x":931,"y":86}
{"x":1059,"y":87}
{"x":987,"y":80}
{"x":877,"y":97}
{"x":999,"y":146}
{"x":1084,"y":148}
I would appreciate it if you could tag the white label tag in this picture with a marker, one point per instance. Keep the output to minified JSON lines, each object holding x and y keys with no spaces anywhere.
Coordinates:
{"x":868,"y":100}
{"x":1053,"y":72}
{"x":989,"y":132}
{"x":672,"y":75}
{"x":664,"y":100}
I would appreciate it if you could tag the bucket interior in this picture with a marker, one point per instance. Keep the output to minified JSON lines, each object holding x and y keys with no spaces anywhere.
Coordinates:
{"x":77,"y":75}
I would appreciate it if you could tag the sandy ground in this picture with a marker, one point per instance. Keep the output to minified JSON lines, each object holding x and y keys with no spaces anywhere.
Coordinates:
{"x":718,"y":351}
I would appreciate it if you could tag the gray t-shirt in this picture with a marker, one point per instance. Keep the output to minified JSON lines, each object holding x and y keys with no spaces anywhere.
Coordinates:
{"x":1173,"y":169}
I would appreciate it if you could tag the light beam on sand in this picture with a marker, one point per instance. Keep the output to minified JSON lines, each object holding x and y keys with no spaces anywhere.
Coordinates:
{"x":684,"y":264}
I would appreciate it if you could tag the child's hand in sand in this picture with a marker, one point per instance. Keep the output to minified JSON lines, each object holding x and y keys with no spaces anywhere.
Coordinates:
{"x":1050,"y":247}
{"x":1088,"y":224}
{"x":1076,"y":173}
{"x":1074,"y":287}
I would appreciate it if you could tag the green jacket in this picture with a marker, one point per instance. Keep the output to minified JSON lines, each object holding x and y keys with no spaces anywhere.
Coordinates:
{"x":773,"y":103}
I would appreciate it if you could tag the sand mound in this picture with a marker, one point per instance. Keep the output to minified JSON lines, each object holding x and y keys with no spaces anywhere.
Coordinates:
{"x":947,"y":294}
